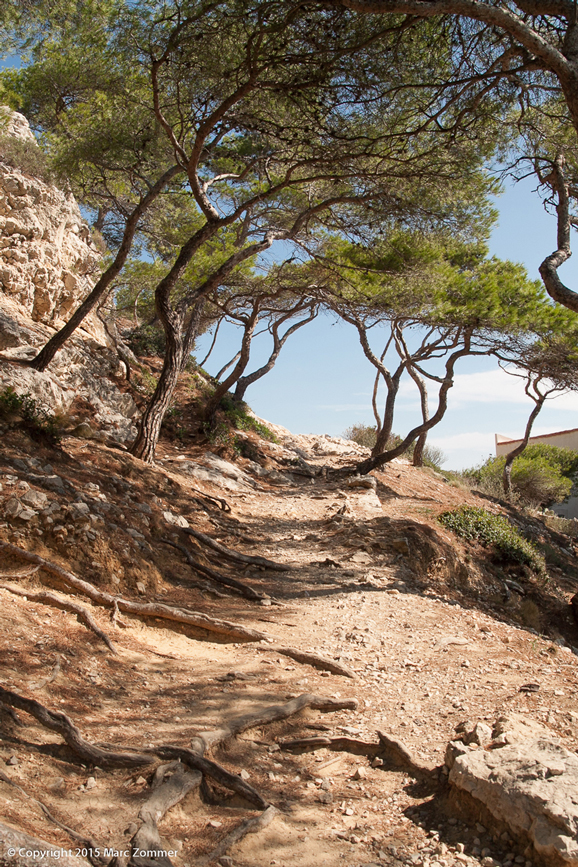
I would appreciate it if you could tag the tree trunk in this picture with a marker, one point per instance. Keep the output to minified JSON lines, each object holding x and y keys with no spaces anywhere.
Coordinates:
{"x":379,"y":460}
{"x":145,"y":444}
{"x":278,"y":344}
{"x":507,"y":472}
{"x":223,"y":387}
{"x":384,"y":434}
{"x":57,"y":341}
{"x":417,"y":459}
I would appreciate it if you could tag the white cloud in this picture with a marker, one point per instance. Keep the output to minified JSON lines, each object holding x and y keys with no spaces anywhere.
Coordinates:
{"x":495,"y":387}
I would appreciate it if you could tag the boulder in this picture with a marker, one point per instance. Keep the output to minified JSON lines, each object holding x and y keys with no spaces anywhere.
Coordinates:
{"x":531,"y":787}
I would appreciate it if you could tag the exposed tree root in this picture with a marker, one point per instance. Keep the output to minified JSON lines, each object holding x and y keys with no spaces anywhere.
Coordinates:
{"x":393,"y":752}
{"x":241,"y":588}
{"x":59,"y":722}
{"x":170,"y":785}
{"x":106,"y":757}
{"x":51,"y":599}
{"x":216,"y":772}
{"x":168,"y":792}
{"x":142,"y":609}
{"x":314,"y":659}
{"x":205,"y":740}
{"x":85,"y":842}
{"x":249,"y":826}
{"x":223,"y":504}
{"x":346,"y":745}
{"x":396,"y":753}
{"x":24,"y":573}
{"x":235,"y":555}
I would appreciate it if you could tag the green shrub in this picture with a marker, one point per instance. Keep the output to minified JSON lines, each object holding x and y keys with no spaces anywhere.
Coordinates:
{"x":474,"y":523}
{"x":237,"y":412}
{"x":541,"y":475}
{"x":147,"y":340}
{"x":26,"y":156}
{"x":22,"y":410}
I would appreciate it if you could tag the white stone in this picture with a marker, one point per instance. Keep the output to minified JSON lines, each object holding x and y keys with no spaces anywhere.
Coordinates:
{"x":532,"y":787}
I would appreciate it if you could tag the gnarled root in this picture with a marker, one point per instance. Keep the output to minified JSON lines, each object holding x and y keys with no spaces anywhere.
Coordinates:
{"x":249,"y":826}
{"x":47,"y":598}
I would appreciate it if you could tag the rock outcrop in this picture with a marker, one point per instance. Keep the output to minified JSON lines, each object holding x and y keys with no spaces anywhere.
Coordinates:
{"x":48,"y":264}
{"x":527,"y":782}
{"x":47,"y":259}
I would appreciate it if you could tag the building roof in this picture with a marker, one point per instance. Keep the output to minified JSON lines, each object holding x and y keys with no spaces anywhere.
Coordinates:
{"x":502,"y":439}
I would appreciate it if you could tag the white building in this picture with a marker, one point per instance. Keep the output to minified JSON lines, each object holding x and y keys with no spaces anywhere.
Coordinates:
{"x":564,"y":439}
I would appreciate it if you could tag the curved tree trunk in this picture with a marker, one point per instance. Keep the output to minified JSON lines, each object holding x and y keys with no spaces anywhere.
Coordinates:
{"x":57,"y":341}
{"x":278,"y":344}
{"x":379,"y":460}
{"x":180,"y":343}
{"x":224,"y":386}
{"x":507,"y":472}
{"x":549,"y":267}
{"x":392,"y":383}
{"x":417,"y":459}
{"x":145,"y":444}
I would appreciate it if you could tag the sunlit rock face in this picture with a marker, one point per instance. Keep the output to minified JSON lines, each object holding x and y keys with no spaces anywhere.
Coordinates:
{"x":48,"y":265}
{"x":47,"y":261}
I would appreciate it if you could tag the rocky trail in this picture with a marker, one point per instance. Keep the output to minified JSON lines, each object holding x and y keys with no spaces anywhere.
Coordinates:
{"x":243,"y":752}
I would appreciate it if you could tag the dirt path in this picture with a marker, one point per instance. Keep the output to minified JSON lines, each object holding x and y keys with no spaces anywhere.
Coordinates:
{"x":375,"y":584}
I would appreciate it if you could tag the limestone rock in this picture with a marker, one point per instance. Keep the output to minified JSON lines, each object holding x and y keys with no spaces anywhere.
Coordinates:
{"x":47,"y":260}
{"x":362,"y":482}
{"x":48,"y":264}
{"x":10,"y":334}
{"x":175,"y":520}
{"x":516,"y":728}
{"x":532,"y":787}
{"x":218,"y":472}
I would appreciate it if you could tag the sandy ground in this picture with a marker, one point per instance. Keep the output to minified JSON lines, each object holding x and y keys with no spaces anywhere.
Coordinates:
{"x":376,"y":583}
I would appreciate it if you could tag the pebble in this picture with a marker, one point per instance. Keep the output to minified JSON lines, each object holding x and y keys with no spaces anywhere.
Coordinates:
{"x":90,"y":783}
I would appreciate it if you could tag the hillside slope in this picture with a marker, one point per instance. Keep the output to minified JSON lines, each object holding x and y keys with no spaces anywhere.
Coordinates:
{"x":424,"y":623}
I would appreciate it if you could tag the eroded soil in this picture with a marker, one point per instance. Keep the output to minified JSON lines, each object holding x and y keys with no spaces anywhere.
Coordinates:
{"x":427,"y":624}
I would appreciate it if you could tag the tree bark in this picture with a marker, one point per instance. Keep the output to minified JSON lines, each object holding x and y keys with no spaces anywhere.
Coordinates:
{"x":392,"y":382}
{"x":57,"y":341}
{"x":177,"y":343}
{"x":549,"y":267}
{"x":278,"y":343}
{"x":242,"y":362}
{"x":144,"y":446}
{"x":417,"y":459}
{"x":379,"y":460}
{"x":507,"y":473}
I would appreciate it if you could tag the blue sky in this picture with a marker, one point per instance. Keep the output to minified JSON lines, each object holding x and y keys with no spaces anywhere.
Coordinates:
{"x":322,"y":383}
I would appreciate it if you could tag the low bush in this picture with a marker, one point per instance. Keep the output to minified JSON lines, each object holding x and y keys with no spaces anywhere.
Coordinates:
{"x":22,"y":410}
{"x":362,"y":434}
{"x":366,"y":435}
{"x":475,"y":523}
{"x":147,"y":340}
{"x":26,"y":156}
{"x":238,"y":414}
{"x":541,"y":475}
